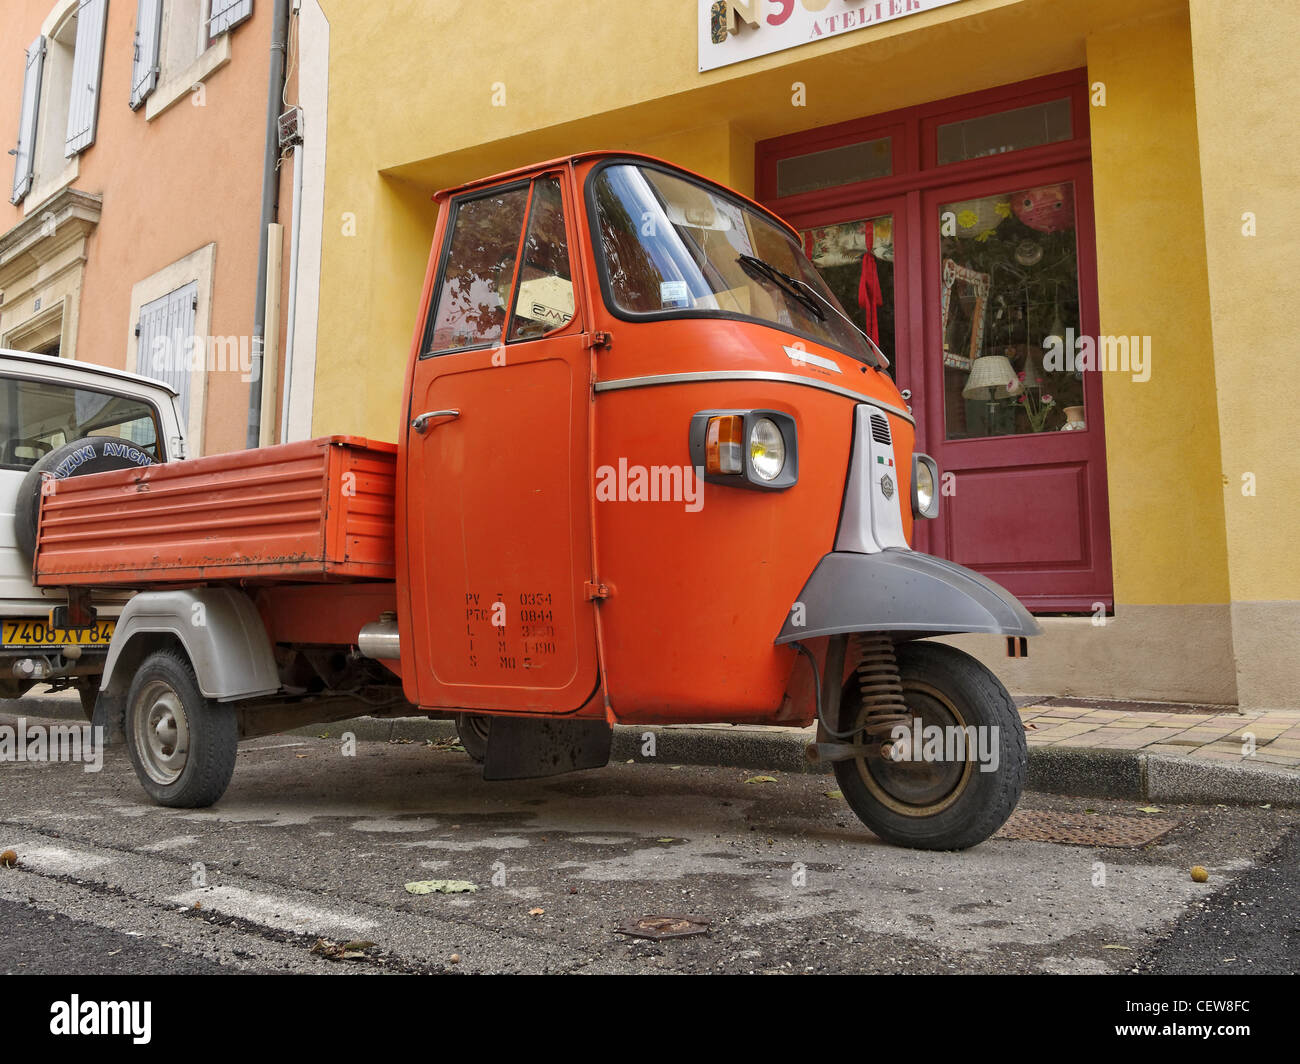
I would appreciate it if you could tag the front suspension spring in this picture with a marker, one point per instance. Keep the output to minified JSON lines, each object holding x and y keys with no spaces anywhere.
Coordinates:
{"x":880,"y":687}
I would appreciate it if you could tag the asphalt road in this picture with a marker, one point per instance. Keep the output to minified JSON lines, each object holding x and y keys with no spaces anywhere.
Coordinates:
{"x":309,"y":844}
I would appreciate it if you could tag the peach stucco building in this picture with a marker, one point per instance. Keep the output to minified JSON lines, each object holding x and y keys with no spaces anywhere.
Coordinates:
{"x":132,"y":223}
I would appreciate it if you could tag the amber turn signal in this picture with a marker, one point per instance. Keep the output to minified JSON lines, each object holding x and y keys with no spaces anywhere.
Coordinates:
{"x":723,"y":452}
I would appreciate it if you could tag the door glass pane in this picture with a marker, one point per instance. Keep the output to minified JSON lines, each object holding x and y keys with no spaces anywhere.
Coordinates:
{"x":1009,"y":284}
{"x":1023,"y":127}
{"x":545,"y":298}
{"x":864,"y":161}
{"x":480,"y":267}
{"x":857,"y":261}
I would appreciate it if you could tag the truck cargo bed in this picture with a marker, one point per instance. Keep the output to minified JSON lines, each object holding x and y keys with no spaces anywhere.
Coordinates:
{"x":318,"y":510}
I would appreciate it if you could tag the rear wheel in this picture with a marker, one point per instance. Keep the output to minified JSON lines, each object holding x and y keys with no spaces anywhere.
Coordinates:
{"x":962,"y":772}
{"x":88,"y":693}
{"x":473,"y":730}
{"x":182,"y":745}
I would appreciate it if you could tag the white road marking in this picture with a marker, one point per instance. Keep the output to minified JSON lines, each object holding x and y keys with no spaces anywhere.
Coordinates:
{"x":175,"y":843}
{"x":55,"y":860}
{"x":272,"y":911}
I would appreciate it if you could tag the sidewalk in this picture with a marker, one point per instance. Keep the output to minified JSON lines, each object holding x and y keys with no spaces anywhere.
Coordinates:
{"x":1077,"y":746}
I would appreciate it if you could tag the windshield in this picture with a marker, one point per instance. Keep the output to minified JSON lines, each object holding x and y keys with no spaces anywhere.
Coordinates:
{"x":38,"y":416}
{"x":673,"y":248}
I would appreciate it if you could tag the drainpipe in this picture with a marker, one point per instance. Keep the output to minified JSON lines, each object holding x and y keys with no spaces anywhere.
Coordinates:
{"x":291,"y":324}
{"x":270,"y":209}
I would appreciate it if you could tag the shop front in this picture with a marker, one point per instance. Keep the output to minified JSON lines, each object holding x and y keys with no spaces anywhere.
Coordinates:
{"x":959,"y":235}
{"x":1069,"y":222}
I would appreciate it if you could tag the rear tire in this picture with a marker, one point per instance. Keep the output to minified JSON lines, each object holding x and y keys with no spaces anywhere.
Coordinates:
{"x":473,"y":730}
{"x":88,"y":693}
{"x":942,"y":805}
{"x":182,"y":745}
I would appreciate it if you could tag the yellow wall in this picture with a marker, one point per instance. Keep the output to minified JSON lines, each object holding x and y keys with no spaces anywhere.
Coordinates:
{"x":1162,"y":435}
{"x":1247,"y":84}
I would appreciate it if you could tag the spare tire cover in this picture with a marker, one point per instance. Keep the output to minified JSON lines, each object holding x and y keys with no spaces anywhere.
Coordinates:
{"x":92,"y":454}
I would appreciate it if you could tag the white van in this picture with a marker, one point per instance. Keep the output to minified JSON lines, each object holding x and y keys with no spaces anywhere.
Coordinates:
{"x":60,"y":418}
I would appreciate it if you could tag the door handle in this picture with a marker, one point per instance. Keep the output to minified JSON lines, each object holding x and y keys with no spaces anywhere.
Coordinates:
{"x":421,"y":422}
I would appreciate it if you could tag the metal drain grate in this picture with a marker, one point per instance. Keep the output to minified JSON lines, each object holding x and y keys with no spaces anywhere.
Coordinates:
{"x":1081,"y":829}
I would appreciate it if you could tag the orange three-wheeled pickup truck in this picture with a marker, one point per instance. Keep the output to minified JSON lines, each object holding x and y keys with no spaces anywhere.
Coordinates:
{"x":647,"y":472}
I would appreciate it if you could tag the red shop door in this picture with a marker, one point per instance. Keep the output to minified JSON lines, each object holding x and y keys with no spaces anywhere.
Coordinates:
{"x":1007,"y":263}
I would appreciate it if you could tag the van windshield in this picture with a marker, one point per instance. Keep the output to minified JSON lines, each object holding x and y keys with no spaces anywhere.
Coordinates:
{"x":670,"y":247}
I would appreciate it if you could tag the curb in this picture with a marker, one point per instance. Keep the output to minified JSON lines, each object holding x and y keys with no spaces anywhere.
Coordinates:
{"x":1079,"y":771}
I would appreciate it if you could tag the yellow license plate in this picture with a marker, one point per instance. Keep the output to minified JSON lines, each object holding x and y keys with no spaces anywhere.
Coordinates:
{"x":40,"y":634}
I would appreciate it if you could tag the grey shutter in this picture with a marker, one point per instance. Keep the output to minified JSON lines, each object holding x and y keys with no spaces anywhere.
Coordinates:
{"x":25,"y":153}
{"x":148,"y":36}
{"x":227,"y":14}
{"x":87,"y":66}
{"x":166,"y":343}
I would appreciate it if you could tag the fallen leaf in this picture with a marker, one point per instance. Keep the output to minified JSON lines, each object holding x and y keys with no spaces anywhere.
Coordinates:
{"x":666,"y":839}
{"x":536,"y":912}
{"x":761,"y":779}
{"x":834,"y":794}
{"x":1128,"y":948}
{"x":1269,"y":806}
{"x":440,"y":886}
{"x":1150,"y":809}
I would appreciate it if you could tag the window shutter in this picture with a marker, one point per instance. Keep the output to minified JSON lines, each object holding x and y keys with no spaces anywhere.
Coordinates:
{"x":148,"y":36}
{"x":166,"y":342}
{"x":25,"y":153}
{"x":227,"y":14}
{"x":87,"y":66}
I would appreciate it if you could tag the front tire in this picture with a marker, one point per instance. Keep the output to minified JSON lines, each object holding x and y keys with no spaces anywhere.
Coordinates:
{"x":181,"y":744}
{"x":950,"y":803}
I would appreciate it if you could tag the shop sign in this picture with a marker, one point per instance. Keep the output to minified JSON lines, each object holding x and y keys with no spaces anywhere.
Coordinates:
{"x":731,"y":31}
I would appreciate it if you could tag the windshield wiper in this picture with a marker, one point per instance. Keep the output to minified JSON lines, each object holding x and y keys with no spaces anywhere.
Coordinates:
{"x":790,"y":285}
{"x":809,"y":297}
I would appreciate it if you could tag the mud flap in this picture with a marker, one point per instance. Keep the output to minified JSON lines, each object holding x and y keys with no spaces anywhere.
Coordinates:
{"x":519,"y":748}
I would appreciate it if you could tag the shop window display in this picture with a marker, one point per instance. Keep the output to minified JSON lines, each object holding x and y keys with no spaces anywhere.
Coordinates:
{"x":1009,"y":281}
{"x":856,"y":259}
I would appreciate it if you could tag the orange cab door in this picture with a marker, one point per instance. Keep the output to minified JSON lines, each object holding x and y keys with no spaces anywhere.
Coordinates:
{"x":498,"y":472}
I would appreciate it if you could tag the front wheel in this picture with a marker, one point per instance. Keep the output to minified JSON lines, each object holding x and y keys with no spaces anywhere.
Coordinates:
{"x":182,"y":745}
{"x":957,"y":776}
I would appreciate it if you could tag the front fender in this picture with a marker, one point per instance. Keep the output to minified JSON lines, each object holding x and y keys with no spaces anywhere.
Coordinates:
{"x":905,"y":592}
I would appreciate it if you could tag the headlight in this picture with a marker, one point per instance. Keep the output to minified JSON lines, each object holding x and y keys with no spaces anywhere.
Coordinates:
{"x":925,"y":486}
{"x":766,"y":449}
{"x":754,"y":449}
